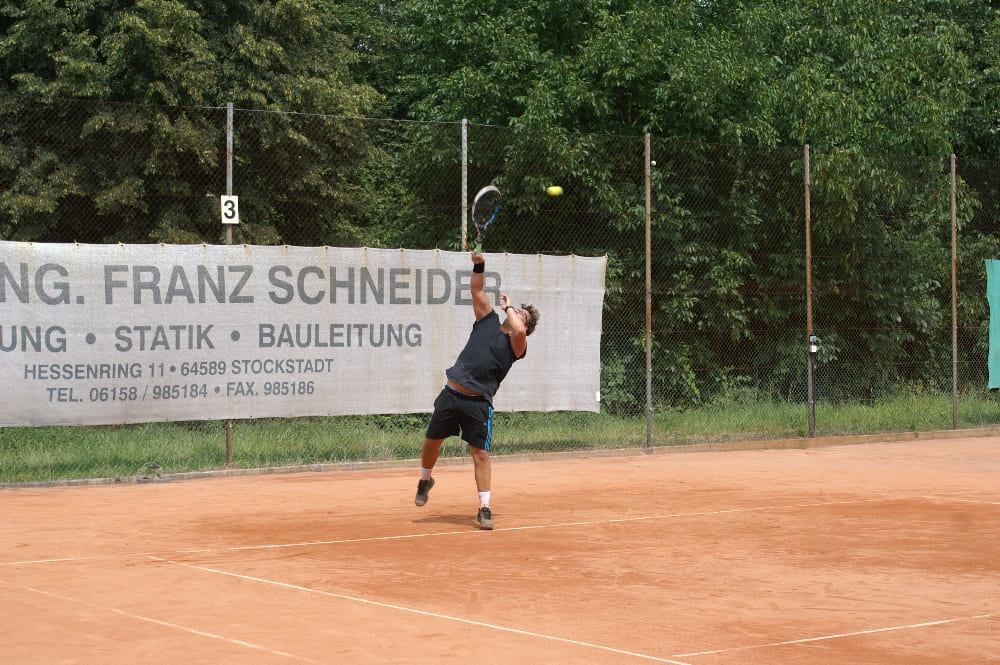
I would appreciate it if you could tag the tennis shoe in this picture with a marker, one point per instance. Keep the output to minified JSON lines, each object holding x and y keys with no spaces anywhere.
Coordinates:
{"x":485,"y":519}
{"x":423,"y":488}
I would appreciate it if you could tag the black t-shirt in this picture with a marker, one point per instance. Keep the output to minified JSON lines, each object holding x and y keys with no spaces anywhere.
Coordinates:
{"x":486,"y":358}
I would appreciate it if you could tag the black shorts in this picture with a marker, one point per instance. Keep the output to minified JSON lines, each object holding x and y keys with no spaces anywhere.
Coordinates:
{"x":471,"y":415}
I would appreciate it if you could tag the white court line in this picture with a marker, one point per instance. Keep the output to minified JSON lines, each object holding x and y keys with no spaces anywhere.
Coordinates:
{"x":471,"y":531}
{"x":478,"y":532}
{"x":934,"y":497}
{"x":838,"y":636}
{"x":435,"y":615}
{"x":175,"y":626}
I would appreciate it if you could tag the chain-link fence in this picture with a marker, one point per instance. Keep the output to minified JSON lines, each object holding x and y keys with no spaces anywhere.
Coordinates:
{"x":750,"y":249}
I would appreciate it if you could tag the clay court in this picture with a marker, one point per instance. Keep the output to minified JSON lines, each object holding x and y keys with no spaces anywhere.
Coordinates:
{"x":878,"y":552}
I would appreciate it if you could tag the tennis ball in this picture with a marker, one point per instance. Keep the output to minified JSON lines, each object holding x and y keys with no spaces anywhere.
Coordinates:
{"x":554,"y":190}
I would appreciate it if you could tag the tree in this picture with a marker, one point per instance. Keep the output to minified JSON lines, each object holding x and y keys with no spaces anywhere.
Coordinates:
{"x":855,"y":79}
{"x":143,"y":160}
{"x":556,"y":93}
{"x":853,"y":74}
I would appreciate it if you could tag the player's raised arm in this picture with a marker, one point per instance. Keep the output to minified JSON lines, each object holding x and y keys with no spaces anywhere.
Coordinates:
{"x":480,"y":301}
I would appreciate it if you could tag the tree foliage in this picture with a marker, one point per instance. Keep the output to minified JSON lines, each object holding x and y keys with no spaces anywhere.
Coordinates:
{"x":895,"y":77}
{"x":859,"y":81}
{"x":555,"y":91}
{"x":143,"y":158}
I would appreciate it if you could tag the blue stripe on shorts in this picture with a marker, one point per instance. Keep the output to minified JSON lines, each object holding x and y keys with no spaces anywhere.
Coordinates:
{"x":489,"y":430}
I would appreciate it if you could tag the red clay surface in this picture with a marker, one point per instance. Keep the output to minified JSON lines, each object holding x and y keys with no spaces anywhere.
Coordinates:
{"x":873,"y":553}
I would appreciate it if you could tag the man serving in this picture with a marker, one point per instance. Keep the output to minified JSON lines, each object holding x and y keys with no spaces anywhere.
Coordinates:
{"x":465,"y":405}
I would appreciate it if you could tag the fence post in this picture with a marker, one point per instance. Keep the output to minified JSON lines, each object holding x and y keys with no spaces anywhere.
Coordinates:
{"x":229,"y":241}
{"x":465,"y":184}
{"x":811,"y":348}
{"x":649,"y":299}
{"x":954,"y":296}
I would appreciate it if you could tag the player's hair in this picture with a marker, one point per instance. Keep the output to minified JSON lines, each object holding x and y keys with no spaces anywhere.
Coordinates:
{"x":532,"y":318}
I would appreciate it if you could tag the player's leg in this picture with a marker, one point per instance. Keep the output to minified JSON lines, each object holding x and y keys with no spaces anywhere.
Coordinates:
{"x":444,"y":423}
{"x":428,"y":458}
{"x":479,"y":434}
{"x":483,"y":471}
{"x":481,"y":467}
{"x":429,"y":454}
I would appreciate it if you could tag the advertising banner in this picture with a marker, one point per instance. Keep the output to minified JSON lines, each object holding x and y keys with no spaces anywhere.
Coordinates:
{"x":105,"y":334}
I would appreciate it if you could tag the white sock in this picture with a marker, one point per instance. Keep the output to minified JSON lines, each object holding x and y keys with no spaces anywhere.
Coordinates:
{"x":425,"y":473}
{"x":484,"y":499}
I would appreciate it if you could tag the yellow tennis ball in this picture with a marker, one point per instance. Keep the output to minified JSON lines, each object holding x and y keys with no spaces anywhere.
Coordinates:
{"x":554,"y":190}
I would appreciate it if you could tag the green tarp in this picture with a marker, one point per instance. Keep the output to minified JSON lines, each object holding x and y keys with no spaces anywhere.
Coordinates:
{"x":993,"y":298}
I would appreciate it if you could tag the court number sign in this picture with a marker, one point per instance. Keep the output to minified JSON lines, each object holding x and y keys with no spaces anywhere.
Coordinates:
{"x":230,"y":210}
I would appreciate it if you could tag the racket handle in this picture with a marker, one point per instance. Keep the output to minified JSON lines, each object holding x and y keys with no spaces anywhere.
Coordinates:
{"x":479,"y":248}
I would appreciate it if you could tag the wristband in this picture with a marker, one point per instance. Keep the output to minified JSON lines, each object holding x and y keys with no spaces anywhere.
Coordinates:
{"x":479,"y":267}
{"x":506,"y":308}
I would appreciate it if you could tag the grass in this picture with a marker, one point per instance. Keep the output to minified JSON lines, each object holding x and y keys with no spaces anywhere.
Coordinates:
{"x":46,"y":454}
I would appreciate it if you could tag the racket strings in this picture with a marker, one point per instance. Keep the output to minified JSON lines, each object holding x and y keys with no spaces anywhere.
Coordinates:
{"x":485,"y":207}
{"x":485,"y":214}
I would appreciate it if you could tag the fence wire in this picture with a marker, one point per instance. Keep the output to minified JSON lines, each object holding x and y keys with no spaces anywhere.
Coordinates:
{"x":738,"y":279}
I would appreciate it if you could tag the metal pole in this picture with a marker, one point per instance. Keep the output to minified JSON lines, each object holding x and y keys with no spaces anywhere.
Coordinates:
{"x":465,"y":185}
{"x":649,"y":299}
{"x":954,"y":295}
{"x":810,"y":349}
{"x":229,"y":241}
{"x":229,"y":164}
{"x":465,"y":212}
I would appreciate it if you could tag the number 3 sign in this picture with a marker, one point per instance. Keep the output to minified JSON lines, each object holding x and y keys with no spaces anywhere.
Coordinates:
{"x":230,"y":210}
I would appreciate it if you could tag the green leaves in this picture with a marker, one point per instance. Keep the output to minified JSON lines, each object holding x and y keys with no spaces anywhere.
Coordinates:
{"x":557,"y":92}
{"x":144,"y":158}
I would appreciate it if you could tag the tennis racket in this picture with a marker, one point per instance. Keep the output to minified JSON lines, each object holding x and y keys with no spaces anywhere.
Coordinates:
{"x":485,"y":207}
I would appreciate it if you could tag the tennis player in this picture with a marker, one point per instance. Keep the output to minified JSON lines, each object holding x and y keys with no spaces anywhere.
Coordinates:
{"x":465,"y":404}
